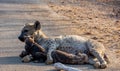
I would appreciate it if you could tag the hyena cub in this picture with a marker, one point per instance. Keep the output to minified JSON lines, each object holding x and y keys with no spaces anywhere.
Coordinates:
{"x":73,"y":44}
{"x":33,"y":52}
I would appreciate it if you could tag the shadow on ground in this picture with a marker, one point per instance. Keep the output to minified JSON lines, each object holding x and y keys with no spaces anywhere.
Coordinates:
{"x":15,"y":60}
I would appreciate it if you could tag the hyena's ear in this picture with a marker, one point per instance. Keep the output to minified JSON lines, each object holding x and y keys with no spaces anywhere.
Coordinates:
{"x":37,"y":25}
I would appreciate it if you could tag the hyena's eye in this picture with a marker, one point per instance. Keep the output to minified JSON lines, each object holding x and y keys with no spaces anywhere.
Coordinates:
{"x":25,"y":30}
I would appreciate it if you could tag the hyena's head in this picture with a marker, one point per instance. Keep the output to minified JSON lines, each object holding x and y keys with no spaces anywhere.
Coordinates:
{"x":33,"y":30}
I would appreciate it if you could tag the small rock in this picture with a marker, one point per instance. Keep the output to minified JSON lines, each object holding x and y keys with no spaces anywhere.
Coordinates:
{"x":88,"y":33}
{"x":95,"y":38}
{"x":62,"y":2}
{"x":118,"y":51}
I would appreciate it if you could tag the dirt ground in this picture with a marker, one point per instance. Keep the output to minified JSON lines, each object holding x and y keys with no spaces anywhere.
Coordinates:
{"x":95,"y":19}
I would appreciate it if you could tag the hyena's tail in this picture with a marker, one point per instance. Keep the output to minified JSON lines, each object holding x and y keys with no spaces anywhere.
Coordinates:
{"x":106,"y":58}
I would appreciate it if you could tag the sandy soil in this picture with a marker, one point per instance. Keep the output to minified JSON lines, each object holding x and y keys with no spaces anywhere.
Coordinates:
{"x":96,"y":19}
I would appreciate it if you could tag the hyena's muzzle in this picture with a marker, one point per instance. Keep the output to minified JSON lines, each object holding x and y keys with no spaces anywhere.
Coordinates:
{"x":22,"y":36}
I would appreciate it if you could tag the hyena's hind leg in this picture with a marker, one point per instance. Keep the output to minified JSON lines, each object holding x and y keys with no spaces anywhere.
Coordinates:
{"x":99,"y":56}
{"x":97,"y":50}
{"x":68,"y":58}
{"x":93,"y":61}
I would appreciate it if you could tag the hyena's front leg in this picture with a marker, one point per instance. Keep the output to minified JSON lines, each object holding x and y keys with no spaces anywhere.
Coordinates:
{"x":52,"y":47}
{"x":23,"y":53}
{"x":49,"y":57}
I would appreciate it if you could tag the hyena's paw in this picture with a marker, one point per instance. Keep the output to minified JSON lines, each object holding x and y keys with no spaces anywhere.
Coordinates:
{"x":103,"y":65}
{"x":26,"y":59}
{"x":49,"y":61}
{"x":97,"y":65}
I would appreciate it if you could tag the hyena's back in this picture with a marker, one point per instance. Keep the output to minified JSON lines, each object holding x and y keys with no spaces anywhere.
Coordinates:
{"x":72,"y":43}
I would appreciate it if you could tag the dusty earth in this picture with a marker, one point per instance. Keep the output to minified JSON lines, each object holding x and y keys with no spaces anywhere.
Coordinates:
{"x":95,"y":19}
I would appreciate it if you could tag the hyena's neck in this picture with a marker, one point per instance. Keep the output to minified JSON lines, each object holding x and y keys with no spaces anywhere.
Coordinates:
{"x":40,"y":35}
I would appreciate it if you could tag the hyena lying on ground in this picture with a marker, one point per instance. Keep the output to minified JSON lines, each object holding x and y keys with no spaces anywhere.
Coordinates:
{"x":70,"y":43}
{"x":37,"y":53}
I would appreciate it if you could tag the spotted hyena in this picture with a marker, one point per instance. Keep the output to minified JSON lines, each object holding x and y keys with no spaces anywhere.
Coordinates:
{"x":68,"y":43}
